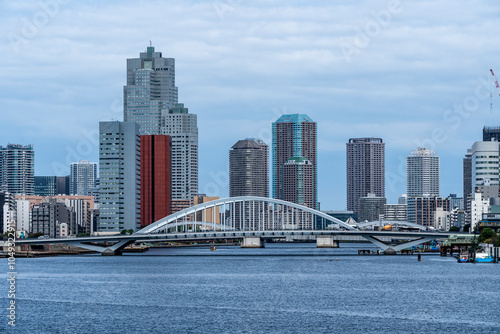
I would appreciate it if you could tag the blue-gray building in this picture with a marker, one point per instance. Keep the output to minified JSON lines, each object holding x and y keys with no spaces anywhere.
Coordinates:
{"x":119,"y":170}
{"x":17,"y":169}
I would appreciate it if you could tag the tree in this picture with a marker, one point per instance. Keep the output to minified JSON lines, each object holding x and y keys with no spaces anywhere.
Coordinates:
{"x":36,"y":235}
{"x":487,"y":234}
{"x":454,"y":229}
{"x":466,"y":228}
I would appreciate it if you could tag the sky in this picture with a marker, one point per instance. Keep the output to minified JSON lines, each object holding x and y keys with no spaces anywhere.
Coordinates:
{"x":414,"y":73}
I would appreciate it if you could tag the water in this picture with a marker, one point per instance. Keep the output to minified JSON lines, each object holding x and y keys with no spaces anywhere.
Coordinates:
{"x":284,"y":288}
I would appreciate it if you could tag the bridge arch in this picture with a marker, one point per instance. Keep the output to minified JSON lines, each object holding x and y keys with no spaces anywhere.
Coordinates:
{"x":256,"y":213}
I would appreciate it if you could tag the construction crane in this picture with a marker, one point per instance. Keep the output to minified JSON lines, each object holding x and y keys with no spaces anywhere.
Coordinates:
{"x":498,"y":88}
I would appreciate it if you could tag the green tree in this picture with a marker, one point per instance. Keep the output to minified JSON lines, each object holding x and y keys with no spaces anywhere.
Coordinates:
{"x":454,"y":229}
{"x":36,"y":235}
{"x":466,"y":227}
{"x":487,"y":234}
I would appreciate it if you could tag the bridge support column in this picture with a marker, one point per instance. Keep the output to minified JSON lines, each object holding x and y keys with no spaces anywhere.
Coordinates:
{"x":326,"y":241}
{"x":390,"y":251}
{"x":252,"y":242}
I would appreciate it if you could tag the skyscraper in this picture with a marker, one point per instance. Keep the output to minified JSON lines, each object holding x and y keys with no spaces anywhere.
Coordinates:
{"x":119,"y":169}
{"x":491,"y":133}
{"x":182,"y":128}
{"x":83,"y":176}
{"x":249,"y":168}
{"x":365,"y":170}
{"x":156,"y":175}
{"x":17,"y":169}
{"x":45,"y":185}
{"x":467,"y":174}
{"x":298,"y":186}
{"x":485,"y":159}
{"x":294,"y":136}
{"x":150,"y":90}
{"x":422,"y":173}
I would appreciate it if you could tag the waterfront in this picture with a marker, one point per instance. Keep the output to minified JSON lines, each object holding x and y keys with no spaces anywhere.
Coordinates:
{"x":284,"y":288}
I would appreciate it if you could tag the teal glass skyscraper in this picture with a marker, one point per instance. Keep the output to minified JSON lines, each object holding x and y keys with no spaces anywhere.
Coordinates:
{"x":294,"y":136}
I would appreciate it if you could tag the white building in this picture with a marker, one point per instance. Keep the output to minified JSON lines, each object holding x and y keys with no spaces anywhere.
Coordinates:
{"x":83,"y":176}
{"x":485,"y":164}
{"x":182,"y":128}
{"x":479,"y":205}
{"x":422,"y":173}
{"x":442,"y":220}
{"x":23,"y":215}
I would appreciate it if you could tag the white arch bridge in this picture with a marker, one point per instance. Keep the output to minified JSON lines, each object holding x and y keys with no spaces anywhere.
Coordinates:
{"x":249,"y":218}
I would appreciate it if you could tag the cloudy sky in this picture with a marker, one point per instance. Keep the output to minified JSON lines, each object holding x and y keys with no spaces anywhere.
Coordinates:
{"x":415,"y":73}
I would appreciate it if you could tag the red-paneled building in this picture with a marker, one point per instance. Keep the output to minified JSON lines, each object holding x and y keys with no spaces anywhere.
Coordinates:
{"x":156,"y":178}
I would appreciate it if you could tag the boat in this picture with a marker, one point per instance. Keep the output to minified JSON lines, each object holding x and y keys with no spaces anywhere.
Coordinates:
{"x":463,"y":258}
{"x":212,"y":248}
{"x":484,"y":258}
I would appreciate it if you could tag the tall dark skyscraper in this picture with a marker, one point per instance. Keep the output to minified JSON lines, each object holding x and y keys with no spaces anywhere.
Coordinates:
{"x":491,"y":133}
{"x":365,"y":170}
{"x":467,"y":174}
{"x":248,"y":168}
{"x":156,"y":178}
{"x":294,"y":136}
{"x":17,"y":169}
{"x":150,"y":90}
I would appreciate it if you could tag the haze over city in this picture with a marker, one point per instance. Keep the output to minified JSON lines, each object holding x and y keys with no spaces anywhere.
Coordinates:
{"x":414,"y":74}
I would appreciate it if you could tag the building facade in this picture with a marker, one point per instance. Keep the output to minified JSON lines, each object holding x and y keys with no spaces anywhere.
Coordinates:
{"x":467,"y":173}
{"x":83,"y":176}
{"x":371,"y":207}
{"x":119,"y":169}
{"x":491,"y":133}
{"x":294,"y":136}
{"x":298,"y":182}
{"x":150,"y":90}
{"x":485,"y":164}
{"x":422,"y":173}
{"x":249,"y":168}
{"x":17,"y":169}
{"x":421,"y":210}
{"x":156,"y":178}
{"x":395,"y":212}
{"x":49,"y":215}
{"x":182,"y":128}
{"x":365,"y":168}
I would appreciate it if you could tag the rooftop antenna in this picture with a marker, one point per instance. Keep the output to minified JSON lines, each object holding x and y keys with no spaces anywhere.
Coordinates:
{"x":150,"y":43}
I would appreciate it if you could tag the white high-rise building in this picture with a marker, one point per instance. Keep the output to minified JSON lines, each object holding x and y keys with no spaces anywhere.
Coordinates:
{"x":83,"y":176}
{"x":479,"y":205}
{"x":485,"y":164}
{"x":182,"y":128}
{"x":23,"y":215}
{"x":119,"y":170}
{"x":422,"y":173}
{"x":150,"y":90}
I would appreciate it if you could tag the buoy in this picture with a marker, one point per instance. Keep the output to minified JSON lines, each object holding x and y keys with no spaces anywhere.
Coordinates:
{"x":336,"y":259}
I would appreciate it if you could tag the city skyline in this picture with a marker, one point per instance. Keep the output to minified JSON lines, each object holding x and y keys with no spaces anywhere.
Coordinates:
{"x":61,"y":104}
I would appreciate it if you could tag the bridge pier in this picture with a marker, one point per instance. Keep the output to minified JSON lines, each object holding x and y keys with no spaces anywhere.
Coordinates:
{"x":326,"y":241}
{"x":110,"y":252}
{"x":390,"y":251}
{"x":252,"y":242}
